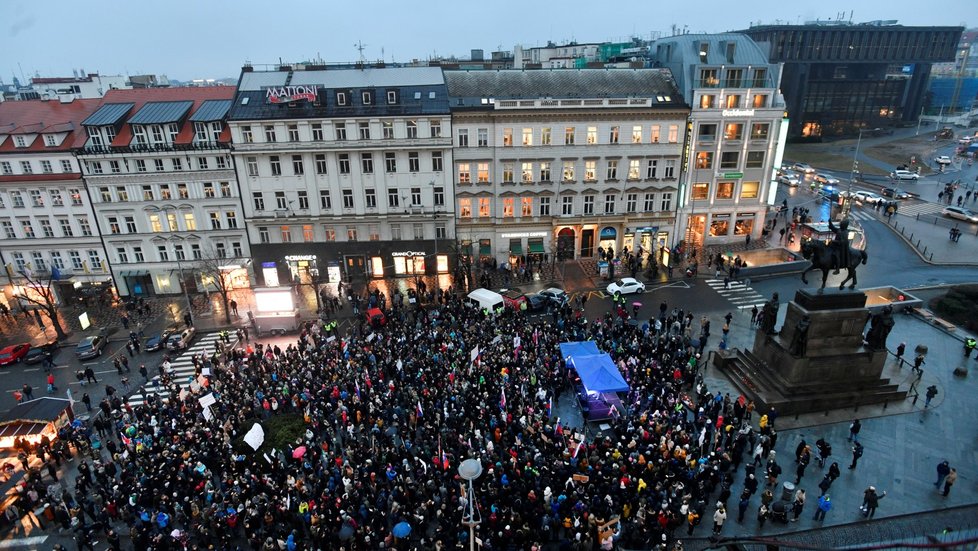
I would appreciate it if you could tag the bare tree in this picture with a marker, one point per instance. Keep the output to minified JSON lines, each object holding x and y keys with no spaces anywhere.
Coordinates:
{"x":42,"y":296}
{"x":213,"y":272}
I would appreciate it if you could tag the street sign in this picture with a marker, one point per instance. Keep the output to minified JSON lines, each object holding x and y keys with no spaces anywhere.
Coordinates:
{"x":733,"y":174}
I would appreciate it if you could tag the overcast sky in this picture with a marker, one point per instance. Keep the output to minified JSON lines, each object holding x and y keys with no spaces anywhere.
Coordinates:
{"x":188,"y":39}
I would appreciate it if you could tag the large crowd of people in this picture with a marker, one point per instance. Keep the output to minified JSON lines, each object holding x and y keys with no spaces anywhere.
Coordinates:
{"x":383,"y":416}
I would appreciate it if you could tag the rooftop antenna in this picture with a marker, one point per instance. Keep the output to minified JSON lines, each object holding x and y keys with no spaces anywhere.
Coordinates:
{"x":360,"y":46}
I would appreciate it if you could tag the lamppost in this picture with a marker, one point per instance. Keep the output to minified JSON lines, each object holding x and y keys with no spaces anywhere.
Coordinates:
{"x":847,"y":203}
{"x":469,"y":470}
{"x":183,"y":283}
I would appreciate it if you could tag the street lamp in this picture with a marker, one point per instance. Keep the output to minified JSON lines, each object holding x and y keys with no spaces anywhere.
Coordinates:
{"x":469,"y":470}
{"x":847,"y":203}
{"x":183,"y":283}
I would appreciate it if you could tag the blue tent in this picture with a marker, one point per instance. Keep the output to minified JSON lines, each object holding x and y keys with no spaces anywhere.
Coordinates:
{"x":598,"y":373}
{"x":580,"y":348}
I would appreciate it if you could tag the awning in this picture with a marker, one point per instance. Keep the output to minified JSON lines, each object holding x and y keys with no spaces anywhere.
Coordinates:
{"x":516,"y":248}
{"x":18,"y":429}
{"x":485,"y":249}
{"x":536,"y":247}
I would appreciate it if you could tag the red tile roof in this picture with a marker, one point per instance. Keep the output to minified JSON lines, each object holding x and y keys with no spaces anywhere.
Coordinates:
{"x":49,"y":116}
{"x":142,"y":96}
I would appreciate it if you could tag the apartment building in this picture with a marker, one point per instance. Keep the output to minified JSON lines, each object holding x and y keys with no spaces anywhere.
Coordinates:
{"x":345,"y":171}
{"x":158,"y":170}
{"x":561,"y":162}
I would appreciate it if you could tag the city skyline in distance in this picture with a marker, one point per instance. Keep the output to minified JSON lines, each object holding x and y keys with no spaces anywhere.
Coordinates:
{"x":212,"y":40}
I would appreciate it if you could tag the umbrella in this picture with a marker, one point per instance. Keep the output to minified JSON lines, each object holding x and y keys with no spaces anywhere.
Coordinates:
{"x":346,"y":532}
{"x":298,"y":452}
{"x":637,"y":304}
{"x":401,"y":530}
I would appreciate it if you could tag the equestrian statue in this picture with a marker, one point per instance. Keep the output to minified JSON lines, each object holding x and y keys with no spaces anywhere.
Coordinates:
{"x":834,"y":256}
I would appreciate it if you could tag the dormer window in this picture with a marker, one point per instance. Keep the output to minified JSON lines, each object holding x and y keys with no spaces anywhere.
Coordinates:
{"x":110,"y":133}
{"x":139,"y":134}
{"x":157,"y":131}
{"x":173,"y":129}
{"x":216,"y":129}
{"x":367,"y":98}
{"x":391,"y":97}
{"x":20,"y":141}
{"x":95,"y":136}
{"x":50,"y":140}
{"x":340,"y":98}
{"x":200,"y":131}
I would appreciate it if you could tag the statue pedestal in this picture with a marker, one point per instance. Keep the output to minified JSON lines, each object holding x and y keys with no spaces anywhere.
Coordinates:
{"x":835,"y":371}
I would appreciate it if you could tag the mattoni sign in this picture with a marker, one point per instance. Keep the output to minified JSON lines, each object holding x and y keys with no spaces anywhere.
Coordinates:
{"x":286,"y":94}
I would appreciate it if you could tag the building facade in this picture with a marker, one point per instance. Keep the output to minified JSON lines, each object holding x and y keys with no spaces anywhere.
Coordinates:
{"x":158,"y":170}
{"x":560,"y":162}
{"x":735,"y":135}
{"x":345,"y":172}
{"x":47,"y":225}
{"x":839,"y":77}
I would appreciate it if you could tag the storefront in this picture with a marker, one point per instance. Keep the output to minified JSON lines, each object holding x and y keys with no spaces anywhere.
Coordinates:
{"x":608,"y":239}
{"x":303,"y":268}
{"x":744,"y":224}
{"x":566,"y":242}
{"x":719,"y":225}
{"x":525,"y":246}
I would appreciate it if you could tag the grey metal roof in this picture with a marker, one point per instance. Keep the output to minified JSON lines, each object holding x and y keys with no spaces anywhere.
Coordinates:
{"x":160,"y":112}
{"x":44,"y":408}
{"x":264,"y":79}
{"x":467,"y":88}
{"x":108,"y":114}
{"x":687,"y":50}
{"x":370,"y":77}
{"x":211,"y":110}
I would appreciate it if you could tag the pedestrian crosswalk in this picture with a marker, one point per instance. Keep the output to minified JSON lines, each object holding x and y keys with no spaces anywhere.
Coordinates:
{"x":738,"y":293}
{"x":864,"y":216}
{"x":923,"y":207}
{"x":182,"y":368}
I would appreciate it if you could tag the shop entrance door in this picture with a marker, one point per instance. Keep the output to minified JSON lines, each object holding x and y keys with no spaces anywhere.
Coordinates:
{"x":355,"y":266}
{"x":587,"y":243}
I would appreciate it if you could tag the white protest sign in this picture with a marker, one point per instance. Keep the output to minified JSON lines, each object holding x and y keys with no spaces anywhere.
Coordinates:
{"x":474,"y":354}
{"x":208,"y":415}
{"x":207,"y":400}
{"x":255,"y":437}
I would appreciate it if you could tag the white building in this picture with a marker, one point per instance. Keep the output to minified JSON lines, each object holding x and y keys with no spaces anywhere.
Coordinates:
{"x":564,"y":161}
{"x":47,"y":227}
{"x":80,"y":86}
{"x":552,"y":56}
{"x":158,"y":169}
{"x":344,"y":171}
{"x":737,"y":134}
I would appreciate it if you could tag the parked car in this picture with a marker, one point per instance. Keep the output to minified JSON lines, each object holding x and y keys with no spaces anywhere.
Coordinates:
{"x":789,"y":179}
{"x":514,"y":298}
{"x":943,"y":160}
{"x":895,"y":193}
{"x":537,"y":302}
{"x":181,"y":340}
{"x":960,"y":214}
{"x":557,"y":297}
{"x":626,"y":286}
{"x":13,"y":353}
{"x":904,"y":175}
{"x":867,"y":197}
{"x":90,"y":347}
{"x":38,"y":354}
{"x":966,"y":140}
{"x":158,"y":342}
{"x":826,"y":179}
{"x":804,"y":168}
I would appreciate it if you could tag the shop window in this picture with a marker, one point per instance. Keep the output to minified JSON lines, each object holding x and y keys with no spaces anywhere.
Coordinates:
{"x":719,"y":227}
{"x":744,"y":226}
{"x":748,"y":190}
{"x":725,"y":190}
{"x":376,"y":266}
{"x":441,"y":263}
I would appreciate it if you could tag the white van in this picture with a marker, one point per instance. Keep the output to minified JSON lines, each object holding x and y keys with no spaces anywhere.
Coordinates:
{"x":484,"y":298}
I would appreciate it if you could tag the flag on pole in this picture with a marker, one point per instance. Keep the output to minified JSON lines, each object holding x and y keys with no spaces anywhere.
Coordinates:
{"x":502,"y":401}
{"x":578,"y":448}
{"x":357,"y":383}
{"x":550,"y":407}
{"x":557,"y":430}
{"x":420,"y":411}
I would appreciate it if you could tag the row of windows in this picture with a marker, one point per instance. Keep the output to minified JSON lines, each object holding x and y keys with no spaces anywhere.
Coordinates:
{"x":39,"y":263}
{"x":177,"y":251}
{"x":343,"y":131}
{"x":343,"y":163}
{"x":155,"y":134}
{"x":45,"y":228}
{"x":7,"y":168}
{"x":614,"y":169}
{"x":483,"y":205}
{"x":733,"y":77}
{"x":733,"y":101}
{"x":528,"y":137}
{"x":176,"y":164}
{"x":50,"y":140}
{"x":725,"y":190}
{"x":38,"y":198}
{"x":733,"y":131}
{"x":307,"y":233}
{"x":730,"y":159}
{"x":414,"y":198}
{"x":217,"y":221}
{"x":165,"y":192}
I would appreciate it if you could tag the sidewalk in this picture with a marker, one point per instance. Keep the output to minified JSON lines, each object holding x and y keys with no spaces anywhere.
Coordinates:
{"x":928,"y":235}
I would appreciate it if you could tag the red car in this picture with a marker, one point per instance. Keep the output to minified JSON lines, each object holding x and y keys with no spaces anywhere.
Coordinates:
{"x":376,"y":317}
{"x":13,"y":353}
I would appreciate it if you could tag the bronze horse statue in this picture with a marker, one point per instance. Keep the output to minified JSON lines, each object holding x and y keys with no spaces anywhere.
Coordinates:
{"x":823,"y":258}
